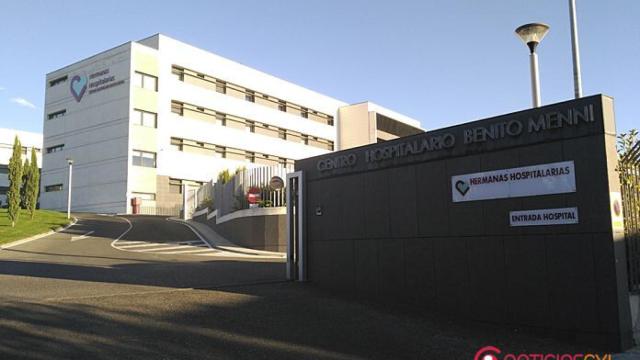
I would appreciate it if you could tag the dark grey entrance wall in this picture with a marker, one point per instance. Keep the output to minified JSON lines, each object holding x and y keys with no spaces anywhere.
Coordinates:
{"x":389,"y":230}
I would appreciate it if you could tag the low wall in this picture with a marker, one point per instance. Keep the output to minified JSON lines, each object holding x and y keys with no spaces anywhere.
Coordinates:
{"x":260,"y":228}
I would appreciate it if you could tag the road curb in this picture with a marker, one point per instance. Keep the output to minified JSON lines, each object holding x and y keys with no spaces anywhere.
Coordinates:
{"x":36,"y":237}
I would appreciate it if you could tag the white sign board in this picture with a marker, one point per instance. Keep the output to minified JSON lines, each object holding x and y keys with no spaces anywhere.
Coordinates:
{"x":544,"y":179}
{"x":544,"y":217}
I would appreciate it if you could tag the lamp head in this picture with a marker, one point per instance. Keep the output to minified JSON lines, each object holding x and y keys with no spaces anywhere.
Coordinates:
{"x":532,"y":34}
{"x":69,"y":161}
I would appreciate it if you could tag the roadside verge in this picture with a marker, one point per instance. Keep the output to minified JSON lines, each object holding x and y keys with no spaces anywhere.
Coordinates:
{"x":74,"y":220}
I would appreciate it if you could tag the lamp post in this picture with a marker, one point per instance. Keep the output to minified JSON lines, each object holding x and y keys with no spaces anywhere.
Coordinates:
{"x":577,"y":78}
{"x":70,"y":162}
{"x":532,"y":34}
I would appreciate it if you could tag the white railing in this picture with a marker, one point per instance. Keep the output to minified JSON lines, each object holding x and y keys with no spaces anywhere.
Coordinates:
{"x":231,"y":196}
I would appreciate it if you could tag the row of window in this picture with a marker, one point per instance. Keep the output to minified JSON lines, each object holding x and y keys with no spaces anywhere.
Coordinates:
{"x":175,"y":185}
{"x":58,"y":81}
{"x":56,"y":114}
{"x":226,"y":152}
{"x":238,"y":91}
{"x":149,"y":159}
{"x":55,"y":187}
{"x":55,"y":148}
{"x":145,"y":81}
{"x":223,"y":119}
{"x":144,"y":158}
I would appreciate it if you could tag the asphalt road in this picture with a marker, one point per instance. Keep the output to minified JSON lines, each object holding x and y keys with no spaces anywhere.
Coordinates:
{"x":74,"y":295}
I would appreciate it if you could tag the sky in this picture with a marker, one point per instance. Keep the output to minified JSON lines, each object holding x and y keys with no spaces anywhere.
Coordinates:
{"x":442,"y":62}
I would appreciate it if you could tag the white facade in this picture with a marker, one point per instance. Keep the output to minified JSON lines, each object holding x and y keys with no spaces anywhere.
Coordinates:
{"x":142,"y":118}
{"x":28,"y":140}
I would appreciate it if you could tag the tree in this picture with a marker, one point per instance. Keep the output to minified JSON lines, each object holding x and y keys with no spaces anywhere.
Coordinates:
{"x":15,"y":182}
{"x":626,"y":141}
{"x":26,"y":169}
{"x":33,"y":184}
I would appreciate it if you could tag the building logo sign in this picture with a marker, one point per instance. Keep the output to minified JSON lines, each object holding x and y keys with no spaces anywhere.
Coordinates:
{"x":544,"y":179}
{"x":78,"y":86}
{"x":538,"y":217}
{"x":95,"y":82}
{"x":617,"y":219}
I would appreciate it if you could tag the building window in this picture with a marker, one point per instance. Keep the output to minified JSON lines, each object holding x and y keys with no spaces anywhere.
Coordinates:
{"x":250,"y":95}
{"x":51,"y":188}
{"x":282,"y":105}
{"x":176,"y":144}
{"x":330,"y":146}
{"x":58,"y":81}
{"x":221,"y":119}
{"x":177,"y":108}
{"x":145,"y":118}
{"x":144,"y":158}
{"x":54,"y":149}
{"x":282,"y":134}
{"x":4,"y":190}
{"x":304,"y":112}
{"x":250,"y":156}
{"x":221,"y":151}
{"x":304,"y":139}
{"x":145,"y":81}
{"x":144,"y":196}
{"x":4,"y":169}
{"x":330,"y":120}
{"x":178,"y":72}
{"x":250,"y":126}
{"x":221,"y":86}
{"x":175,"y":186}
{"x":57,"y":114}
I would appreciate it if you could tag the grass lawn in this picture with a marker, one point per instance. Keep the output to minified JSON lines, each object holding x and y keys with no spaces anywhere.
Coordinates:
{"x":43,"y":221}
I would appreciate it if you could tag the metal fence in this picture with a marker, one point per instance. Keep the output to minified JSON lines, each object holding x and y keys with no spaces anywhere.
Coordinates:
{"x":231,"y":196}
{"x":161,"y":211}
{"x":629,"y":169}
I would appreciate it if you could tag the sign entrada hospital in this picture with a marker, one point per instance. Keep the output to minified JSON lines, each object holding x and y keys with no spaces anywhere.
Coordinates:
{"x":445,"y":142}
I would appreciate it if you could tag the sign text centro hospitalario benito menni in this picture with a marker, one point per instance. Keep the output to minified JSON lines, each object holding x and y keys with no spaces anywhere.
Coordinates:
{"x":417,"y":145}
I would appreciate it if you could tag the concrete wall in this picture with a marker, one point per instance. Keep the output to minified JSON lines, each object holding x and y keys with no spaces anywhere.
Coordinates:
{"x":389,"y":229}
{"x":260,"y":232}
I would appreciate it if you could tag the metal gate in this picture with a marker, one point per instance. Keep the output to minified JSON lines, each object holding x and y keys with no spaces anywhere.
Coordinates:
{"x":296,"y":246}
{"x":629,"y":169}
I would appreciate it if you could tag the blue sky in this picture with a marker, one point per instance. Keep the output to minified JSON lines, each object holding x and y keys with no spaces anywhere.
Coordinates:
{"x":442,"y":62}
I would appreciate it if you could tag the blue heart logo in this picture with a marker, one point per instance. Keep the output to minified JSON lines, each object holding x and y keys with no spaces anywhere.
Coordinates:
{"x":78,"y":86}
{"x":462,"y":187}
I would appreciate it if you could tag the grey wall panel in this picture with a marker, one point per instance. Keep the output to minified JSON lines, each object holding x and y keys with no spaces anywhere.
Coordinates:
{"x":366,"y":268}
{"x":487,"y":292}
{"x":527,"y":281}
{"x":376,"y":204}
{"x":391,"y":276}
{"x":452,"y":275}
{"x":432,"y":196}
{"x":402,"y":205}
{"x":419,"y":264}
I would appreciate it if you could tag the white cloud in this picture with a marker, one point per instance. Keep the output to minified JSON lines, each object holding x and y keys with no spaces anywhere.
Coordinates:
{"x":2,"y":88}
{"x":23,"y":102}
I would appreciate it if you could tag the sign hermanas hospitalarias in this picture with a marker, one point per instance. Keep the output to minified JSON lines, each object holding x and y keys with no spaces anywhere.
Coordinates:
{"x":544,"y":179}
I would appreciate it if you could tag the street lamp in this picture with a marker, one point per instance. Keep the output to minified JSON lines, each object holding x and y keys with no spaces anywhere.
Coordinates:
{"x":70,"y":162}
{"x":532,"y":34}
{"x":575,"y":48}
